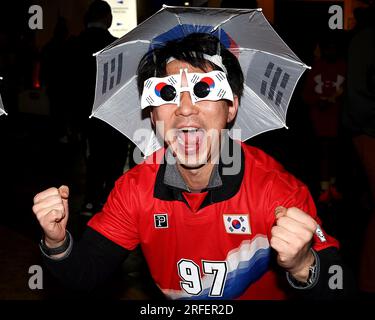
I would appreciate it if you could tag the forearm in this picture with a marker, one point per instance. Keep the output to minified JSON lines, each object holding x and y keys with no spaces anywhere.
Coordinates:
{"x":89,"y":262}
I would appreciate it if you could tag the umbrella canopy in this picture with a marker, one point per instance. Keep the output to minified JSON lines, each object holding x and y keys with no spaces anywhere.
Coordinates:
{"x":271,"y":69}
{"x":2,"y":111}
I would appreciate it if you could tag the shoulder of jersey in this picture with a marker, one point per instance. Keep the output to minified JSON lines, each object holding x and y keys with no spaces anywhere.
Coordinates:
{"x":146,"y":171}
{"x":260,"y":159}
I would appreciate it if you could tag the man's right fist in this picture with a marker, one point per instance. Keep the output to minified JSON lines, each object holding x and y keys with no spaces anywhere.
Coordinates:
{"x":51,"y":209}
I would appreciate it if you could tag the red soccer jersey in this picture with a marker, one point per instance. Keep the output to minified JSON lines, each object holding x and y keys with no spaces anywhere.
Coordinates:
{"x":220,"y":250}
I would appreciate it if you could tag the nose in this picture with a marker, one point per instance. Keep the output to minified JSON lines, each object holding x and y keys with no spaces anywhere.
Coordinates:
{"x":186,"y":107}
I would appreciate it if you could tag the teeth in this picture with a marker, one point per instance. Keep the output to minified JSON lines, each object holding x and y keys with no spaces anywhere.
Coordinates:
{"x":187,"y":129}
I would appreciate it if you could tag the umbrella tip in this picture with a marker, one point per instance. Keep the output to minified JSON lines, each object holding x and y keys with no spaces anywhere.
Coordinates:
{"x":259,"y":9}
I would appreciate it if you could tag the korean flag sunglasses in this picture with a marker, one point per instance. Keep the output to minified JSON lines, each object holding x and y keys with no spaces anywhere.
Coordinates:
{"x":211,"y":86}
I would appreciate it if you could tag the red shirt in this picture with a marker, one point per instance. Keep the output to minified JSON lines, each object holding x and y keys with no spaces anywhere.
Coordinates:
{"x":219,"y":250}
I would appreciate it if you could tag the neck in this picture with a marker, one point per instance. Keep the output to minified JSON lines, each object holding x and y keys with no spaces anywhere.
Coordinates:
{"x":196,"y":178}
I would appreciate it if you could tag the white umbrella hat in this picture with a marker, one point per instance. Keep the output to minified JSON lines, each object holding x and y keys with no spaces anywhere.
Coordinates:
{"x":271,"y":69}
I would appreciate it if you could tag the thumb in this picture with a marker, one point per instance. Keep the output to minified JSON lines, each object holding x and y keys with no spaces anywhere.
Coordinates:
{"x":280,"y":211}
{"x":64,"y":194}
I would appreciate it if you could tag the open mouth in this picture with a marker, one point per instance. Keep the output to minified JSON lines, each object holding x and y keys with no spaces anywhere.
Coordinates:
{"x":190,"y":139}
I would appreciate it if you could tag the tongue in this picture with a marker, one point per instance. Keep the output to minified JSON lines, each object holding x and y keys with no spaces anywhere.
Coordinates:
{"x":192,"y":138}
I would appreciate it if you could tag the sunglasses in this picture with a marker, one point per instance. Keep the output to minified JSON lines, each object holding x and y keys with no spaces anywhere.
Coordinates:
{"x":211,"y":86}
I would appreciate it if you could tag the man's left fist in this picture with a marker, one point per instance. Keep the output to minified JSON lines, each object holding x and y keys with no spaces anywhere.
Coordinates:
{"x":291,"y":238}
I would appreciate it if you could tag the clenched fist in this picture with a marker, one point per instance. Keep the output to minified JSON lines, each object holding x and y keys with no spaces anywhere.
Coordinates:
{"x":291,"y":238}
{"x":51,"y":210}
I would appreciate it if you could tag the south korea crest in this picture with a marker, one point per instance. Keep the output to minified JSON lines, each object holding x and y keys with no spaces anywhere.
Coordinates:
{"x":237,"y":223}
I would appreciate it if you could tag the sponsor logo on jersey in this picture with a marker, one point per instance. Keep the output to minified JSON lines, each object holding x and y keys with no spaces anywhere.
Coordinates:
{"x":161,"y":220}
{"x":237,"y":223}
{"x":320,"y":234}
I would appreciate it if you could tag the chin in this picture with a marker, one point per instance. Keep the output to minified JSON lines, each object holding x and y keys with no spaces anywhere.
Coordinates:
{"x":191,"y":166}
{"x":192,"y":161}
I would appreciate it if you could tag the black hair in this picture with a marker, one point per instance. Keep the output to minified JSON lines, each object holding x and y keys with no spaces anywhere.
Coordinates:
{"x":190,"y":49}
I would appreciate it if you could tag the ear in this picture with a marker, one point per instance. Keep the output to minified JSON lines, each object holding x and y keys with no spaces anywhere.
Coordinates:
{"x":232,"y":109}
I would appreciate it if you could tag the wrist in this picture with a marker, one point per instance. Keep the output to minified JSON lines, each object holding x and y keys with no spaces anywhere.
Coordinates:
{"x":54,"y":244}
{"x":302,"y":273}
{"x":50,"y":250}
{"x":312,"y":279}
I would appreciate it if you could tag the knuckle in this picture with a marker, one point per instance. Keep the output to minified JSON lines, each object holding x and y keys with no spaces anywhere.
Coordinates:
{"x":273,"y":242}
{"x":35,"y":209}
{"x":274,"y":230}
{"x":280,"y":221}
{"x":39,"y":218}
{"x":45,"y":193}
{"x":36,"y":197}
{"x":292,"y":210}
{"x":53,"y":190}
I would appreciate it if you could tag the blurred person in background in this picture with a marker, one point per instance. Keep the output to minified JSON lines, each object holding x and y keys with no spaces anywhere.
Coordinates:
{"x":106,"y":148}
{"x":359,"y":120}
{"x":323,"y":94}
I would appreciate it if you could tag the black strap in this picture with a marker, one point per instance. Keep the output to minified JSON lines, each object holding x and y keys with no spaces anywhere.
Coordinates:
{"x":55,"y":251}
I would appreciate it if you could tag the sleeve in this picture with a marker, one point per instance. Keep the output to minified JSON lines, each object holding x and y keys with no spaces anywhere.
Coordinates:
{"x":118,"y":220}
{"x":88,"y":264}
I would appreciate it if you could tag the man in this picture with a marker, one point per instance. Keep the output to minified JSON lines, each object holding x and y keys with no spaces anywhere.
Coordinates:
{"x":204,"y":233}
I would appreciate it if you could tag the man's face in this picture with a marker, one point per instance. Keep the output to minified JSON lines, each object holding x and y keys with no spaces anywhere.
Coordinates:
{"x":193,"y":130}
